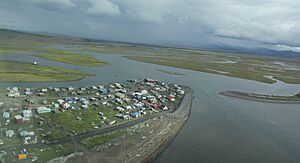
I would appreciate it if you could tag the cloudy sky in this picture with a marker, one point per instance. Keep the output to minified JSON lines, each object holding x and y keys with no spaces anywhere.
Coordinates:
{"x":199,"y":23}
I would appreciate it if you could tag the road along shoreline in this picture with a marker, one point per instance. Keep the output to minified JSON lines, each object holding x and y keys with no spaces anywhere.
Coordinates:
{"x":261,"y":97}
{"x":170,"y":127}
{"x":180,"y":115}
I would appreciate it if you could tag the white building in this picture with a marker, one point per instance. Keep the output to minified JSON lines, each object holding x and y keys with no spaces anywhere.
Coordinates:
{"x":6,"y":115}
{"x":9,"y":133}
{"x":27,"y":113}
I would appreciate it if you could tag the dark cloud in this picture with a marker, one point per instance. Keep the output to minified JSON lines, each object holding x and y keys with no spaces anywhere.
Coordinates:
{"x":272,"y":23}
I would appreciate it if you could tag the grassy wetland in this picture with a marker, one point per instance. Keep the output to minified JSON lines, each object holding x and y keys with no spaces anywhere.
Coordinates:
{"x":19,"y":43}
{"x":223,"y":63}
{"x":77,"y":51}
{"x":11,"y":71}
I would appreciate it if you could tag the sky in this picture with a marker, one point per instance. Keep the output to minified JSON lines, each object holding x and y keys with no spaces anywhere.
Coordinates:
{"x":271,"y":24}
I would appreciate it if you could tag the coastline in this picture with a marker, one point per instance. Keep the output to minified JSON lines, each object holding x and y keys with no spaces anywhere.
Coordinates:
{"x":179,"y":117}
{"x":167,"y":142}
{"x":260,"y":98}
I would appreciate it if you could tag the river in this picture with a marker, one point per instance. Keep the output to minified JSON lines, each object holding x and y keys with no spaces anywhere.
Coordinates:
{"x":220,"y":129}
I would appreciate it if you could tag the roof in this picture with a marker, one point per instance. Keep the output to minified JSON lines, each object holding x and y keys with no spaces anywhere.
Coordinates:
{"x":135,"y":114}
{"x":22,"y":156}
{"x":10,"y":132}
{"x":27,"y":112}
{"x":18,"y":117}
{"x":6,"y":115}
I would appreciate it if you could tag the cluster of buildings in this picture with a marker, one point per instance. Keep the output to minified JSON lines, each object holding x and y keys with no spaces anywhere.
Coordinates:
{"x":132,"y":99}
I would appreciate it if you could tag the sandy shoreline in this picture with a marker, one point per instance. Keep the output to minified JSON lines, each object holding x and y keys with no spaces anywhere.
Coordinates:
{"x":252,"y":97}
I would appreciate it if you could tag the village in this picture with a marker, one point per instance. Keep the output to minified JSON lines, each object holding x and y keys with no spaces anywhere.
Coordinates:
{"x":46,"y":115}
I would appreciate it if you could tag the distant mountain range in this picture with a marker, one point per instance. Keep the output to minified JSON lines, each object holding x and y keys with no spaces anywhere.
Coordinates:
{"x":260,"y":51}
{"x":222,"y":48}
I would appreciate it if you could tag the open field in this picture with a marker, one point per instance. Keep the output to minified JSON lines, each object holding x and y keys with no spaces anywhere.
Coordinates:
{"x":21,"y":39}
{"x":71,"y":58}
{"x":24,"y":72}
{"x":223,"y":63}
{"x":52,"y":152}
{"x":54,"y":54}
{"x":100,"y":139}
{"x":67,"y":122}
{"x":12,"y":42}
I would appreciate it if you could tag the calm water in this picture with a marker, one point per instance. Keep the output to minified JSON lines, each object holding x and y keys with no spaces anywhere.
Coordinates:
{"x":220,"y":129}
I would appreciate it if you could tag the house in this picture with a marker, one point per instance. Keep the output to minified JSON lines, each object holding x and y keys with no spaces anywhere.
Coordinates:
{"x":22,"y":156}
{"x":19,"y":119}
{"x":123,"y":90}
{"x":144,"y":92}
{"x":55,"y":105}
{"x":138,"y":105}
{"x":103,"y":118}
{"x":120,"y":95}
{"x":9,"y":133}
{"x":112,"y":122}
{"x":164,"y":107}
{"x":6,"y":115}
{"x":30,"y":101}
{"x":41,"y":110}
{"x":151,"y":99}
{"x":127,"y":100}
{"x":120,"y":101}
{"x":101,"y":114}
{"x":85,"y":102}
{"x":44,"y":102}
{"x":24,"y":133}
{"x":28,"y":137}
{"x":41,"y":94}
{"x":135,"y":114}
{"x":83,"y":89}
{"x":136,"y":94}
{"x":70,"y":88}
{"x":15,"y":89}
{"x":13,"y":94}
{"x":150,"y":84}
{"x":27,"y":113}
{"x":60,"y":101}
{"x":124,"y":117}
{"x":171,"y":98}
{"x":128,"y":107}
{"x":44,"y":90}
{"x":120,"y":109}
{"x":119,"y":115}
{"x":84,"y":106}
{"x":56,"y":89}
{"x":1,"y":104}
{"x":31,"y":139}
{"x":118,"y":85}
{"x":28,"y":93}
{"x":103,"y":91}
{"x":66,"y":105}
{"x":180,"y":91}
{"x":154,"y":106}
{"x":150,"y":81}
